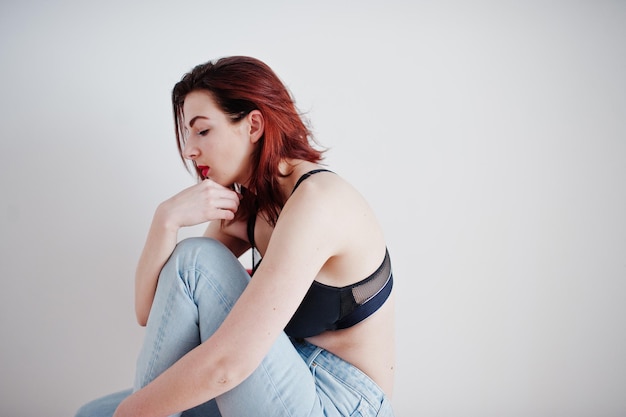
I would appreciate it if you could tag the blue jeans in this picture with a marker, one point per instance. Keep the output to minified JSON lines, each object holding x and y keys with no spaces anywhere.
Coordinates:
{"x":197,"y":288}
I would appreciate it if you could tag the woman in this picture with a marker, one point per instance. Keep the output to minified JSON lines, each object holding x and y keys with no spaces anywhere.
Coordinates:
{"x":312,"y":332}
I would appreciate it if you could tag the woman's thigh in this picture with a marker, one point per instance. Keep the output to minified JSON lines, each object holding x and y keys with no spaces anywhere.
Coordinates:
{"x":197,"y":288}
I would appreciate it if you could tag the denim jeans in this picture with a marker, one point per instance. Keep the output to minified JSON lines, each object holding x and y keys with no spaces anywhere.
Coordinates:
{"x":197,"y":288}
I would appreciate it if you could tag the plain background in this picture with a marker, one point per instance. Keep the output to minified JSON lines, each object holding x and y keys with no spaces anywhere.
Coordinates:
{"x":489,"y":137}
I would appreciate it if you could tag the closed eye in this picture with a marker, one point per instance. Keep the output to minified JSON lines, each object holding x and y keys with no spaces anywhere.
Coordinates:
{"x":203,"y":132}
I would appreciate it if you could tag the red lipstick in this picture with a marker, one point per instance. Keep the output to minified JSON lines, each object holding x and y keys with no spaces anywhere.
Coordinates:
{"x":204,"y":170}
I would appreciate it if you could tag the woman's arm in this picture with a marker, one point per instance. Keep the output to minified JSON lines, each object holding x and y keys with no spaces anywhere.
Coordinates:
{"x":160,"y":243}
{"x":308,"y":232}
{"x":200,"y":203}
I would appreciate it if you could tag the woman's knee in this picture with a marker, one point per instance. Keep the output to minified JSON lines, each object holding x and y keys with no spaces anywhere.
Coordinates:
{"x":201,"y":252}
{"x":206,"y":257}
{"x":201,"y":245}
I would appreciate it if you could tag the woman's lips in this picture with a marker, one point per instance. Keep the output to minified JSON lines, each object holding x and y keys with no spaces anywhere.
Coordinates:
{"x":204,"y":170}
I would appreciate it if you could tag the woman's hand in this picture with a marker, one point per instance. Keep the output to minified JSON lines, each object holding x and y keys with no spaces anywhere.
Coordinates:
{"x":198,"y":204}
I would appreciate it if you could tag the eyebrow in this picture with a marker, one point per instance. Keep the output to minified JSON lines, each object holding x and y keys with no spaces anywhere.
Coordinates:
{"x":192,"y":121}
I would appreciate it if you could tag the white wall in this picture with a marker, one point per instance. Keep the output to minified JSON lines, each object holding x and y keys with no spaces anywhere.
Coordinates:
{"x":490,"y":137}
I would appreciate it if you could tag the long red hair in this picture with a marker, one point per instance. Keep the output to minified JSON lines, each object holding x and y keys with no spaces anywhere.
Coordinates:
{"x":240,"y":85}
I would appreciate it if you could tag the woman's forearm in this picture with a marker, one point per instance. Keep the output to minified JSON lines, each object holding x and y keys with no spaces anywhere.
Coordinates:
{"x":200,"y":375}
{"x":161,"y":241}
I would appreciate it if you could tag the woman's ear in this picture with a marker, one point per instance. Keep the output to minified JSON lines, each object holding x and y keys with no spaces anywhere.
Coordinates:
{"x":257,"y":125}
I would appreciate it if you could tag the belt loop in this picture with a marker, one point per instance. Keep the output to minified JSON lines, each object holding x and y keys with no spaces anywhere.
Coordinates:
{"x":314,"y":355}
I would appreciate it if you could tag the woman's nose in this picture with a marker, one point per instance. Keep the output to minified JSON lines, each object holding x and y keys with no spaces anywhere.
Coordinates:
{"x":190,"y":151}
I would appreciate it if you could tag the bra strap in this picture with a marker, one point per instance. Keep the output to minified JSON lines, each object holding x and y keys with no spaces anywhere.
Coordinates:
{"x":250,"y":232}
{"x":250,"y":228}
{"x":307,"y":175}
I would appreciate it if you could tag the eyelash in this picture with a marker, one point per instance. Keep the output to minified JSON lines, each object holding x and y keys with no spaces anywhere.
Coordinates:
{"x":203,"y":132}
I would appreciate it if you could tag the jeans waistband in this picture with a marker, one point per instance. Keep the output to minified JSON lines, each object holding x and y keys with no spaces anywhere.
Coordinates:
{"x":348,"y":373}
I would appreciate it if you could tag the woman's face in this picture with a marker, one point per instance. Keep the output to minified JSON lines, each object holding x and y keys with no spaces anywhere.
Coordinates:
{"x":220,"y":148}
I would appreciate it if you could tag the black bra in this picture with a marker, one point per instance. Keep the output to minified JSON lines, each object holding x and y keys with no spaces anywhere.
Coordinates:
{"x":332,"y":308}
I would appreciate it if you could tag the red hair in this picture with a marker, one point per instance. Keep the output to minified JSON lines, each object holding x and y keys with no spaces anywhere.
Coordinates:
{"x":240,"y":85}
